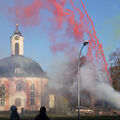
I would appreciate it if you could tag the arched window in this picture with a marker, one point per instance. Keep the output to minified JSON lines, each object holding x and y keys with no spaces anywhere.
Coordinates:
{"x":45,"y":88}
{"x":32,"y":87}
{"x":32,"y":101}
{"x":18,"y":87}
{"x":16,"y":48}
{"x":32,"y":94}
{"x":2,"y":87}
{"x":2,"y":95}
{"x":32,"y":97}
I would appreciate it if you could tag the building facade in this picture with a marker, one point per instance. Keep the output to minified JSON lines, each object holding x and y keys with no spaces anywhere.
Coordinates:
{"x":22,"y":81}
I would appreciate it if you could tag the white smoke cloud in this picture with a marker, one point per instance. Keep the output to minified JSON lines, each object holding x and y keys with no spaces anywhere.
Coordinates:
{"x":97,"y":83}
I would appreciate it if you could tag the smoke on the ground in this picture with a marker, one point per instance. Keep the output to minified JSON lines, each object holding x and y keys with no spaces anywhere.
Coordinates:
{"x":93,"y":80}
{"x":97,"y":83}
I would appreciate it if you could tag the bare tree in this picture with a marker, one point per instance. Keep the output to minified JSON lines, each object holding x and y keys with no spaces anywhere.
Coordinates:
{"x":114,"y":59}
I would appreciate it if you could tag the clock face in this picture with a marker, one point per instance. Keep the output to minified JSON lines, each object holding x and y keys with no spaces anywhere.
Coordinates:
{"x":17,"y":37}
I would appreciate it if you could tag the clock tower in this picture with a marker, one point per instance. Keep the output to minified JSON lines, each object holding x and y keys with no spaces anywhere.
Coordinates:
{"x":17,"y":43}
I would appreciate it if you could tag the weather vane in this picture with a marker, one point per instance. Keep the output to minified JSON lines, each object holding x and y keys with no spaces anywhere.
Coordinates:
{"x":16,"y":26}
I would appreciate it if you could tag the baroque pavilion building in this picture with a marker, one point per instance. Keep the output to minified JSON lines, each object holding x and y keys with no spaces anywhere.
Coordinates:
{"x":22,"y":81}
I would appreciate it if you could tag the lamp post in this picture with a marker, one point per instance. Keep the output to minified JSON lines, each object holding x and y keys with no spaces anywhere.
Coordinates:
{"x":78,"y":84}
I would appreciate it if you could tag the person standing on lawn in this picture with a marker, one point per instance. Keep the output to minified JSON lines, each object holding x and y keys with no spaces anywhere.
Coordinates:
{"x":42,"y":115}
{"x":14,"y":115}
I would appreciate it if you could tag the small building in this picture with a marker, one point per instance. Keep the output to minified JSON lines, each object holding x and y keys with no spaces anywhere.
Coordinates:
{"x":22,"y":81}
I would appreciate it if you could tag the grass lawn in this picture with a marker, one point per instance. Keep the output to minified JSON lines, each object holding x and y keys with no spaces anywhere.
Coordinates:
{"x":62,"y":117}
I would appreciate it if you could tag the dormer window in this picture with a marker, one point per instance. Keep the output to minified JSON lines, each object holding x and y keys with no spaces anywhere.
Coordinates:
{"x":17,"y":70}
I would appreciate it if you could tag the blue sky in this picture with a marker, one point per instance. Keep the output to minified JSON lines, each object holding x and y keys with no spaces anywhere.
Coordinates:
{"x":104,"y":13}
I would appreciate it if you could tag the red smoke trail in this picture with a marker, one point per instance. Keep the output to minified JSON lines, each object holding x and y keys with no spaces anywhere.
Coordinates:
{"x":67,"y":27}
{"x":27,"y":15}
{"x":99,"y":49}
{"x":95,"y":51}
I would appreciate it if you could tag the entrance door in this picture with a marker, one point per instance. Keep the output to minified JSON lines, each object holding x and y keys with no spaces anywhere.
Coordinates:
{"x":18,"y":104}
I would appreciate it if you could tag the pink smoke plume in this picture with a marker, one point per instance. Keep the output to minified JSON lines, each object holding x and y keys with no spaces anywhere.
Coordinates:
{"x":67,"y":26}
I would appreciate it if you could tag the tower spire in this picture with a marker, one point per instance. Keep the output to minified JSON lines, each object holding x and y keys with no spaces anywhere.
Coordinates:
{"x":17,"y":32}
{"x":17,"y":42}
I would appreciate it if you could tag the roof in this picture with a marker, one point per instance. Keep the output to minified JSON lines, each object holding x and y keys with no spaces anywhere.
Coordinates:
{"x":20,"y":66}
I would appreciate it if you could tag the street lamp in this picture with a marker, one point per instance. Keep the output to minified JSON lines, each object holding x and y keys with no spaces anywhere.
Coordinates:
{"x":78,"y":84}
